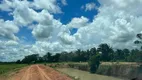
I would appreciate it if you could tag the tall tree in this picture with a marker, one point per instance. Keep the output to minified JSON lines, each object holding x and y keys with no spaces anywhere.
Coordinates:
{"x":105,"y":52}
{"x":94,"y":63}
{"x":119,"y":54}
{"x":56,"y":57}
{"x":47,"y":57}
{"x":126,"y":53}
{"x":93,"y":51}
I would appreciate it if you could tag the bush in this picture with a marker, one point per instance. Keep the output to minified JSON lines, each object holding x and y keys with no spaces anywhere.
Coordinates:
{"x":94,"y":63}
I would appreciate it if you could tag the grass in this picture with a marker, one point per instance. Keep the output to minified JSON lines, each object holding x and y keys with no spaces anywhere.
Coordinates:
{"x":5,"y":69}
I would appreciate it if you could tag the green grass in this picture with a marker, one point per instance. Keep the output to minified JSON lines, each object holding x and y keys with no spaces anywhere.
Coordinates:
{"x":6,"y":68}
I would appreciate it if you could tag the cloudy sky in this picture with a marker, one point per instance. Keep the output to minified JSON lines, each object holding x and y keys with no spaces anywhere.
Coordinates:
{"x":40,"y":26}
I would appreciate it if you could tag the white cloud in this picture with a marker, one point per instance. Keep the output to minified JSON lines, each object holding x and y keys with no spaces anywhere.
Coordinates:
{"x":64,"y":2}
{"x":89,"y":6}
{"x":67,"y":38}
{"x":7,"y":30}
{"x":78,"y":22}
{"x":24,"y":15}
{"x":42,"y":31}
{"x":11,"y":43}
{"x":47,"y":26}
{"x":10,"y":5}
{"x":50,"y":5}
{"x":5,"y":5}
{"x":117,"y":24}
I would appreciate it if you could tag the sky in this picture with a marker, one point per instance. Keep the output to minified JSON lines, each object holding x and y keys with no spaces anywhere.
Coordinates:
{"x":41,"y":26}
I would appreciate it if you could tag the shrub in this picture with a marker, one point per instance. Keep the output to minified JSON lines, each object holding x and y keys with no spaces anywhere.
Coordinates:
{"x":94,"y":63}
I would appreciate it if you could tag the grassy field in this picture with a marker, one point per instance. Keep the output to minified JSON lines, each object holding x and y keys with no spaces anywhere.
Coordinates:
{"x":7,"y":68}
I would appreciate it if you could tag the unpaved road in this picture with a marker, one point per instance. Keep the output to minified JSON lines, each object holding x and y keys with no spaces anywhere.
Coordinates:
{"x":39,"y":72}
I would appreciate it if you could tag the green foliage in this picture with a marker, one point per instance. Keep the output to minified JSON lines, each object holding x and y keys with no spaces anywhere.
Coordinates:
{"x":94,"y":63}
{"x":31,"y":58}
{"x":105,"y":52}
{"x":35,"y":58}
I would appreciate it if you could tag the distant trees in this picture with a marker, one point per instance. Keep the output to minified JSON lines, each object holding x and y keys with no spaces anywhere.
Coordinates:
{"x":31,"y":58}
{"x":35,"y":58}
{"x":18,"y":61}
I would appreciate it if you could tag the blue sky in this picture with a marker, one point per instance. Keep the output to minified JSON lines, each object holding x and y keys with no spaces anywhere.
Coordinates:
{"x":73,"y":9}
{"x":35,"y":27}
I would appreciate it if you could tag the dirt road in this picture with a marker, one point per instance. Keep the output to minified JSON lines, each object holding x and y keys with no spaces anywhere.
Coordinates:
{"x":39,"y":72}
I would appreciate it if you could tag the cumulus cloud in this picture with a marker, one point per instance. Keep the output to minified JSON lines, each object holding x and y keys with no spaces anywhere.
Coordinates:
{"x":5,"y":5}
{"x":51,"y":6}
{"x":10,"y":5}
{"x":78,"y":22}
{"x":7,"y":29}
{"x":42,"y":31}
{"x":11,"y":43}
{"x":48,"y":26}
{"x":117,"y":23}
{"x":67,"y":38}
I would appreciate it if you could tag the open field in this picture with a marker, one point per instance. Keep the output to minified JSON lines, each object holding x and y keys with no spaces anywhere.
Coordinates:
{"x":8,"y":69}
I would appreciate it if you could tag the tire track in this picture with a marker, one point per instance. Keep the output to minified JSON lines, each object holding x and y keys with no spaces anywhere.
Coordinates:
{"x":42,"y":74}
{"x":26,"y":75}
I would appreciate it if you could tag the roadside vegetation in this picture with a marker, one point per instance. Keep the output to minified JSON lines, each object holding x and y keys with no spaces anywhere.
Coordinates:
{"x":94,"y":63}
{"x":5,"y":69}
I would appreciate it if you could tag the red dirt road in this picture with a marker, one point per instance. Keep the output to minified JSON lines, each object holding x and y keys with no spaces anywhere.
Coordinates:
{"x":39,"y":72}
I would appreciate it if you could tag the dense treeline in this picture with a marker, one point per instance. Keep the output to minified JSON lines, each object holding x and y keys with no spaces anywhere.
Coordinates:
{"x":105,"y":51}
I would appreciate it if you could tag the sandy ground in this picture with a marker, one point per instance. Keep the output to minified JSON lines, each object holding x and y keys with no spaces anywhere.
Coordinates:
{"x":39,"y":72}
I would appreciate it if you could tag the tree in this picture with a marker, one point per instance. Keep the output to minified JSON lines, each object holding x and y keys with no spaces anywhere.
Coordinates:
{"x":94,"y":63}
{"x":139,"y":39}
{"x":133,"y":55}
{"x":105,"y":52}
{"x":56,"y":57}
{"x":64,"y":57}
{"x":126,"y":53}
{"x":47,"y":57}
{"x":93,"y":51}
{"x":31,"y":58}
{"x":119,"y":55}
{"x":18,"y":62}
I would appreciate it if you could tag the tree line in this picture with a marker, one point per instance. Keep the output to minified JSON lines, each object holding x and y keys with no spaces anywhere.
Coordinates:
{"x":104,"y":50}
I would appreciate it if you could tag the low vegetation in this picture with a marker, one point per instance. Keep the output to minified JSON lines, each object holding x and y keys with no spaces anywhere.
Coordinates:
{"x":94,"y":63}
{"x":6,"y":68}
